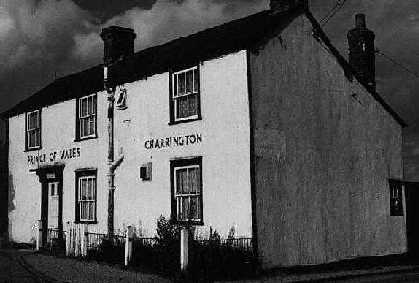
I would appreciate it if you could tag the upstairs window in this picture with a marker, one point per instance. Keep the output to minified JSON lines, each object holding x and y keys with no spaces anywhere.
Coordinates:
{"x":86,"y":117}
{"x":187,"y":190}
{"x":86,"y":196}
{"x":33,"y":130}
{"x":184,"y":97}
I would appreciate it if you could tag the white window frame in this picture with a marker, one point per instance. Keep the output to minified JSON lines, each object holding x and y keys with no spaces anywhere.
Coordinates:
{"x":80,"y":200}
{"x":179,"y":196}
{"x":176,"y":95}
{"x":36,"y":129}
{"x":88,"y":116}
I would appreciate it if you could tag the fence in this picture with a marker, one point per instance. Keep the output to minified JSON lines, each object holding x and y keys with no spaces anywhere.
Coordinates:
{"x":210,"y":256}
{"x":55,"y":240}
{"x":244,"y":244}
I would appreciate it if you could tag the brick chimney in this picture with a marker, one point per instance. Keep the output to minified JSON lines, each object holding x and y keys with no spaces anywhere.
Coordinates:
{"x":362,"y":51}
{"x":279,"y":6}
{"x":118,"y":43}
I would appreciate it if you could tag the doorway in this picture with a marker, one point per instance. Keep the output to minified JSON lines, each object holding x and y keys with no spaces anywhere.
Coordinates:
{"x":51,"y":179}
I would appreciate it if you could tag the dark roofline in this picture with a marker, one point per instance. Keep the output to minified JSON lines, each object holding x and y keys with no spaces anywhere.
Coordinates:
{"x":230,"y":38}
{"x":227,"y":38}
{"x":319,"y":34}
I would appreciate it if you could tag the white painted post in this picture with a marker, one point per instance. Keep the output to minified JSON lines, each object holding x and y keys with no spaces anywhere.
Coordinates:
{"x":79,"y":238}
{"x":128,"y":245}
{"x":68,"y":239}
{"x":184,"y":248}
{"x":39,"y":235}
{"x":84,"y":240}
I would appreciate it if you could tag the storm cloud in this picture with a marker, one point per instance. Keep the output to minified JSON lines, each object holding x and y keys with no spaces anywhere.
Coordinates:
{"x":45,"y":39}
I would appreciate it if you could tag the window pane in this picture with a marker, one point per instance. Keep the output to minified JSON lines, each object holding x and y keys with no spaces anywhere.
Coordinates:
{"x":83,"y":107}
{"x":175,"y":84}
{"x":192,"y":107}
{"x":182,"y":107}
{"x":182,"y":180}
{"x":185,"y":208}
{"x":181,"y":82}
{"x":194,"y":208}
{"x":36,"y":119}
{"x":91,"y":210}
{"x":196,"y":80}
{"x":94,"y":105}
{"x":189,"y":81}
{"x":84,"y":208}
{"x":194,"y":181}
{"x":31,"y":137}
{"x":90,"y":105}
{"x":38,"y":137}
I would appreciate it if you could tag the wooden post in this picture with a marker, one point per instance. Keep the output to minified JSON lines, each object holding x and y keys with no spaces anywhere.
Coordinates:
{"x":68,"y":239}
{"x":84,"y":240}
{"x":128,"y":245}
{"x":39,"y":236}
{"x":184,"y":248}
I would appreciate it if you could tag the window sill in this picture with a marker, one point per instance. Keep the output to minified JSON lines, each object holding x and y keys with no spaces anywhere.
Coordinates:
{"x":189,"y":223}
{"x":85,"y":222}
{"x":184,"y":121}
{"x":86,"y":138}
{"x":32,"y":149}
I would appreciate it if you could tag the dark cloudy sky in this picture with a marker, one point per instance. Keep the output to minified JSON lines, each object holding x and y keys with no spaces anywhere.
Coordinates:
{"x":41,"y":39}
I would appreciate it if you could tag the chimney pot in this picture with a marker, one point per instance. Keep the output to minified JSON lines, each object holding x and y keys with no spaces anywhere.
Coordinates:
{"x":360,"y":21}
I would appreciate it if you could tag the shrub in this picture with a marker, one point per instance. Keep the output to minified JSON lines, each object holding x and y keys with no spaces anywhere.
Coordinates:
{"x":109,"y":250}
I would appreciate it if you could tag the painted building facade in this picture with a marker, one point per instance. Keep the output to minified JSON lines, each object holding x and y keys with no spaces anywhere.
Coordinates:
{"x":271,"y":133}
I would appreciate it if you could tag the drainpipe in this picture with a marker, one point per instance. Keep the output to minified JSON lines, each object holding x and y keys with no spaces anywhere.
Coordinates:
{"x":111,"y":173}
{"x":118,"y":44}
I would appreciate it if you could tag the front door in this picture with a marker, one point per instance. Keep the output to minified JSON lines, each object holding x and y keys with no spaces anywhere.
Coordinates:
{"x":53,"y":203}
{"x":51,"y":179}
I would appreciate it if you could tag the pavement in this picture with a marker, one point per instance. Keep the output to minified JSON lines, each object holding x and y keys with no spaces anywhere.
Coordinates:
{"x":29,"y":266}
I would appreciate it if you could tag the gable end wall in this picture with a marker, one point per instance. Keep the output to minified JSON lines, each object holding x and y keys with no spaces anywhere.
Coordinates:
{"x":324,"y":150}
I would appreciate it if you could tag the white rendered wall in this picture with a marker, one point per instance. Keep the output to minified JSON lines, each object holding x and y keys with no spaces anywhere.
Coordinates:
{"x":224,"y":149}
{"x":225,"y":152}
{"x":58,"y":133}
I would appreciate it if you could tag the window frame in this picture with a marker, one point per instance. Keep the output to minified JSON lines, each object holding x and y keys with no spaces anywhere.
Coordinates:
{"x":27,"y":131}
{"x":177,"y":164}
{"x":196,"y":90}
{"x":396,"y":188}
{"x":79,"y":100}
{"x":81,"y":174}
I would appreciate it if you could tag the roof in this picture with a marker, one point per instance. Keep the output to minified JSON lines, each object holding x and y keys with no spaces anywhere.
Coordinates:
{"x":233,"y":36}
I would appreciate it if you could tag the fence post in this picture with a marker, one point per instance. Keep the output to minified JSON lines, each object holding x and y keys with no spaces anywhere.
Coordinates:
{"x":68,"y":239}
{"x":128,"y":245}
{"x":39,"y":235}
{"x":84,"y":240}
{"x":184,"y":247}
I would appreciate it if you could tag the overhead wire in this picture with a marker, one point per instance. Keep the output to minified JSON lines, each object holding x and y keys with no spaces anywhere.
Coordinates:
{"x":395,"y":62}
{"x":339,"y":4}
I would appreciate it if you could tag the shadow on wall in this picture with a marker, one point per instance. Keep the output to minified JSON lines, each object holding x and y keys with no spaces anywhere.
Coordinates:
{"x":11,"y":197}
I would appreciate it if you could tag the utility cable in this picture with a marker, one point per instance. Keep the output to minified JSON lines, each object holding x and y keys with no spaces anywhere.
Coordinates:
{"x":395,"y":62}
{"x":339,"y":4}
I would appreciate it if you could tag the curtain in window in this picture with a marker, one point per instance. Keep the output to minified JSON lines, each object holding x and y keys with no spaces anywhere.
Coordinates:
{"x":188,"y":193}
{"x":87,"y":198}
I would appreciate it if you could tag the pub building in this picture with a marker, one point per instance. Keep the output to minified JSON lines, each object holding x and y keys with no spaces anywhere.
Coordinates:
{"x":258,"y":125}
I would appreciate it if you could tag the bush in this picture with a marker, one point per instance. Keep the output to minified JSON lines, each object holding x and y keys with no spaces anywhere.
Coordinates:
{"x":208,"y":259}
{"x":164,"y":255}
{"x":109,"y":250}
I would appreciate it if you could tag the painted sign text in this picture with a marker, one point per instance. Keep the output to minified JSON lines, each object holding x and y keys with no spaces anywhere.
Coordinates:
{"x":166,"y":142}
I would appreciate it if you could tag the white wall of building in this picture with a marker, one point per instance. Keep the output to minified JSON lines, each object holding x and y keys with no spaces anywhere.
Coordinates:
{"x":224,"y":149}
{"x":224,"y":129}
